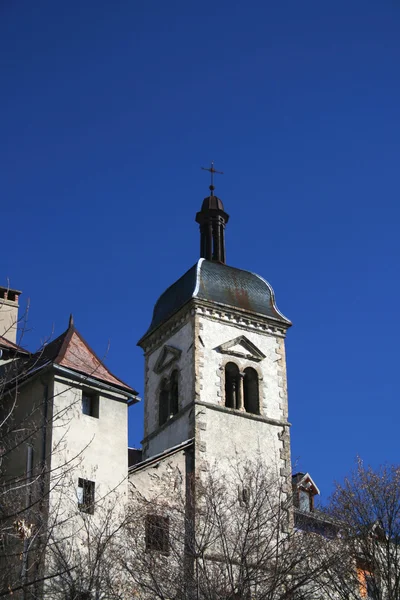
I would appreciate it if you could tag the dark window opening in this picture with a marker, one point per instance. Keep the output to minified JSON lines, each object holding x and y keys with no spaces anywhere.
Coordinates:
{"x":232,"y":382}
{"x":157,"y":533}
{"x":86,"y":495}
{"x":174,"y":393}
{"x":244,"y":495}
{"x":90,"y":404}
{"x":250,"y":390}
{"x":168,"y":402}
{"x":163,"y":409}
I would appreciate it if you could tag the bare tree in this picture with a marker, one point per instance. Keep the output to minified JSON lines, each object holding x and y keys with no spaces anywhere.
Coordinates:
{"x":82,"y":563}
{"x":27,"y":475}
{"x":366,"y":507}
{"x":38,"y":482}
{"x":230,"y":537}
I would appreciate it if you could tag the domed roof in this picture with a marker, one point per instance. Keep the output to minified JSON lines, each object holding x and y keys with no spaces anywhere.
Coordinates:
{"x":223,"y":285}
{"x":212,"y":203}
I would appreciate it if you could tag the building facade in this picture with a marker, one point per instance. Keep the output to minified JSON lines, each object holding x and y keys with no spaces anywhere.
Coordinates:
{"x":215,"y":399}
{"x":64,"y":438}
{"x":215,"y":394}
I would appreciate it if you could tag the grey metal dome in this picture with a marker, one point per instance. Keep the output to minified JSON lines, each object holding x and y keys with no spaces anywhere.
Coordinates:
{"x":212,"y":203}
{"x":220,"y":284}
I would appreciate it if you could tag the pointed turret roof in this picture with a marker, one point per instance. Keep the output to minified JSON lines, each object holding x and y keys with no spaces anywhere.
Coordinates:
{"x":70,"y":350}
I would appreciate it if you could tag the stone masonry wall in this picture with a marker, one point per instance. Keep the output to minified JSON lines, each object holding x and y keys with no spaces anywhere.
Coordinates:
{"x":177,"y":429}
{"x":225,"y":436}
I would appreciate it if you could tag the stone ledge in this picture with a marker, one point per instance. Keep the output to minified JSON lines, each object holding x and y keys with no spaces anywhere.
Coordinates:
{"x":239,"y":413}
{"x":167,"y":423}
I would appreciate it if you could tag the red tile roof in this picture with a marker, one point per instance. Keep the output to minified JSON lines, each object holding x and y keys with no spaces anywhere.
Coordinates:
{"x":70,"y":350}
{"x":77,"y":355}
{"x":5,"y":343}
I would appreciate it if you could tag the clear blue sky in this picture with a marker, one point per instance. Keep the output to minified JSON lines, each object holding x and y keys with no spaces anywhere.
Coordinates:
{"x":108,"y":110}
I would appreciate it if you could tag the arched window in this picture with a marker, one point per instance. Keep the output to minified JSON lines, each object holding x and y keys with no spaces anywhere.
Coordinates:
{"x":174,"y":394}
{"x":250,"y":391}
{"x":163,"y":402}
{"x":232,"y":382}
{"x":168,"y":401}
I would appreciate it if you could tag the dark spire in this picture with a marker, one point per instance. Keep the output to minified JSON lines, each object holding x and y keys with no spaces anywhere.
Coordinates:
{"x":71,"y":321}
{"x":212,"y":220}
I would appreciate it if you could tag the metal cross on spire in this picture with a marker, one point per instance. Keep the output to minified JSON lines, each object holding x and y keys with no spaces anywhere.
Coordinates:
{"x":212,"y":171}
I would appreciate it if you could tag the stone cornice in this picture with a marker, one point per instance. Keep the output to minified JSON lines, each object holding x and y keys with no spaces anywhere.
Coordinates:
{"x":217,"y":312}
{"x":217,"y":407}
{"x":239,"y":413}
{"x":158,"y":337}
{"x":167,"y":423}
{"x":240,"y":318}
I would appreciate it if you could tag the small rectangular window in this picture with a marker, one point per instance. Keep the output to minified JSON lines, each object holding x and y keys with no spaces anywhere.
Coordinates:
{"x":157,"y":533}
{"x":90,"y":404}
{"x":244,"y":495}
{"x":85,"y":494}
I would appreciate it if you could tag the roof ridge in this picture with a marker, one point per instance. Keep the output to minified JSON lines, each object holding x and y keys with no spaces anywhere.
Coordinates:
{"x":68,"y":333}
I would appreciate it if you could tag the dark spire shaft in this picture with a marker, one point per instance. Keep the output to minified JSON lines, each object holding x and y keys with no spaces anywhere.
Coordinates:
{"x":212,"y":238}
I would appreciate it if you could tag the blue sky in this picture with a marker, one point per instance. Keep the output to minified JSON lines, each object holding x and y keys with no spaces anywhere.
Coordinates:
{"x":108,"y":110}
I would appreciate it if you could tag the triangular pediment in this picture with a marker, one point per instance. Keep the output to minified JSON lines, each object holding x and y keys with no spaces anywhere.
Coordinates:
{"x":167,"y":356}
{"x":241,"y":347}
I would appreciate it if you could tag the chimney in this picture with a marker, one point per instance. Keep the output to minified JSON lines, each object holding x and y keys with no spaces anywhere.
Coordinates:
{"x":9,"y":313}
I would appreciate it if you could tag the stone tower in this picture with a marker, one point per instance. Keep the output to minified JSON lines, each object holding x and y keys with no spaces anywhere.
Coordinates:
{"x":215,"y":368}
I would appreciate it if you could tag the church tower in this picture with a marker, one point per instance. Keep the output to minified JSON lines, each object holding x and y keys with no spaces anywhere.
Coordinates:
{"x":215,"y":368}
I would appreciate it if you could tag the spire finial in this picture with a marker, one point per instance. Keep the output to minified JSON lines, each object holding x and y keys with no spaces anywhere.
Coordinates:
{"x":71,"y":321}
{"x":212,"y":171}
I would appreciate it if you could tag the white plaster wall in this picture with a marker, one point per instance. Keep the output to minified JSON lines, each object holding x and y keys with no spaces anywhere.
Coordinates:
{"x":175,"y":431}
{"x":183,"y":340}
{"x":94,"y":448}
{"x":228,"y":439}
{"x":213,"y":333}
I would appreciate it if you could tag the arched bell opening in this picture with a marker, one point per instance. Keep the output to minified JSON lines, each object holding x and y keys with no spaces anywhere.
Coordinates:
{"x":251,"y":391}
{"x":163,"y":402}
{"x":232,"y":383}
{"x":174,"y":393}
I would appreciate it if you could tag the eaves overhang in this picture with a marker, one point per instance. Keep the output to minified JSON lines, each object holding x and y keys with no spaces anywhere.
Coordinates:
{"x":92,"y":381}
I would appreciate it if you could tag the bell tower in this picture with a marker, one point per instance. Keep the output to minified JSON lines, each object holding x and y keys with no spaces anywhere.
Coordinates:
{"x":215,"y":369}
